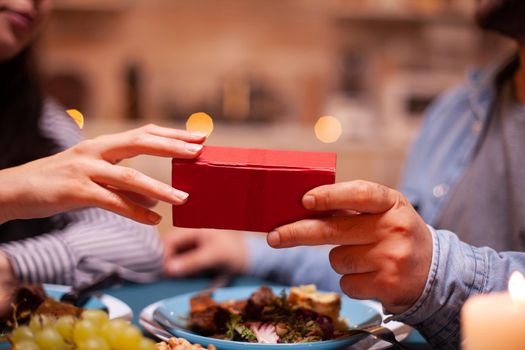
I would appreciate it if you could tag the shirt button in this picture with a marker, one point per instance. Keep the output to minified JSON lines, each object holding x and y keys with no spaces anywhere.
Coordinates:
{"x":476,"y":127}
{"x":440,"y":190}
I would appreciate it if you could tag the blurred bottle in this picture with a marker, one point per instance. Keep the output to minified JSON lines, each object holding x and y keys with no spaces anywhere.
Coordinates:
{"x":236,"y":103}
{"x":133,"y":86}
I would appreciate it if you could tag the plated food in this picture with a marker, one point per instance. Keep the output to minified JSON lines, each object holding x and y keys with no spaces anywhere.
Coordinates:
{"x":181,"y":344}
{"x":172,"y":316}
{"x":303,"y":315}
{"x":39,"y":322}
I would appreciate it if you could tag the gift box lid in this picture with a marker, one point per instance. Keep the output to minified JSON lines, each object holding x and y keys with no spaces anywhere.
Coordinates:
{"x":264,"y":158}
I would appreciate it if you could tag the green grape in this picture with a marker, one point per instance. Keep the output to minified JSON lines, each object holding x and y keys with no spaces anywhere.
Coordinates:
{"x":26,"y":345}
{"x":64,"y":325}
{"x":94,"y":343}
{"x":49,"y":339}
{"x":38,"y":322}
{"x":128,"y":338}
{"x":146,"y":344}
{"x":111,"y":329}
{"x":22,"y":333}
{"x":98,"y":317}
{"x":84,"y":330}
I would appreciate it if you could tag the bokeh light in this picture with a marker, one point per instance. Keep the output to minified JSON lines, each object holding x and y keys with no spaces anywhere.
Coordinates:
{"x":200,"y":122}
{"x":328,"y":129}
{"x":76,"y":116}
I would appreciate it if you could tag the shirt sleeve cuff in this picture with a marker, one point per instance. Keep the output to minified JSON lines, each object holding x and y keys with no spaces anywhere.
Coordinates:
{"x":457,"y":271}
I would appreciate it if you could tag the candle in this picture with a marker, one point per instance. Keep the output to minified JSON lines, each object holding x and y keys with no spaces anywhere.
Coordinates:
{"x":496,"y":321}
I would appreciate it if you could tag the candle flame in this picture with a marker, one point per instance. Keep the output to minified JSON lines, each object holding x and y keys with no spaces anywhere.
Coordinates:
{"x":517,"y":287}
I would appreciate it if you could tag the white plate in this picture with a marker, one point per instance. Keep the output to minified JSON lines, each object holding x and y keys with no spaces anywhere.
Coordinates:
{"x":400,"y":330}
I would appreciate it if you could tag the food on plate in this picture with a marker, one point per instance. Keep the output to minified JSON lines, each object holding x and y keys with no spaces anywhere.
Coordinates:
{"x":328,"y":304}
{"x":92,"y":330}
{"x":31,"y":299}
{"x":305,"y":315}
{"x":181,"y":344}
{"x":41,"y":323}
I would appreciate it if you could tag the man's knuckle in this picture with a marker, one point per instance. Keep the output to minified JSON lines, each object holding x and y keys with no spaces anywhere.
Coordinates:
{"x":349,"y":287}
{"x":341,"y":261}
{"x":335,"y":230}
{"x":400,"y":228}
{"x":291,"y":235}
{"x":396,"y":258}
{"x":335,"y":259}
{"x":361,"y":193}
{"x":329,"y":231}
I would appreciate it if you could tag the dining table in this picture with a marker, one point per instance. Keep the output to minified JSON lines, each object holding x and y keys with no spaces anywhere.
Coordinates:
{"x":139,"y":296}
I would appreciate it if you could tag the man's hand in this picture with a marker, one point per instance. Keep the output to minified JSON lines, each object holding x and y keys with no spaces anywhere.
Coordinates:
{"x":87,"y":175}
{"x":192,"y":251}
{"x":384,"y":248}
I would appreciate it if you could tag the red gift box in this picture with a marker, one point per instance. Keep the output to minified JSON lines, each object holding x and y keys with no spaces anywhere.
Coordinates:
{"x":248,"y":189}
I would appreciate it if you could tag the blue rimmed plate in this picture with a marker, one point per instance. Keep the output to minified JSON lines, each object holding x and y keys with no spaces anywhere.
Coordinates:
{"x":176,"y":310}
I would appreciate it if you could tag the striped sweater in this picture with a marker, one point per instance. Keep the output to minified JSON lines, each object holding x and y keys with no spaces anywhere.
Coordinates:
{"x":93,"y":242}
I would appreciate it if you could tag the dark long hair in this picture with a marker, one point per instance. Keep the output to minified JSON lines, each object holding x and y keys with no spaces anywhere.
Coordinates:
{"x":21,"y":138}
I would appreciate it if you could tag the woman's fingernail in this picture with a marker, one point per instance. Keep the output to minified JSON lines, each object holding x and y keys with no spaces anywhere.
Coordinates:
{"x":154,"y":218}
{"x":179,"y":195}
{"x":274,"y":239}
{"x":198,"y":134}
{"x":309,"y":201}
{"x":192,"y":147}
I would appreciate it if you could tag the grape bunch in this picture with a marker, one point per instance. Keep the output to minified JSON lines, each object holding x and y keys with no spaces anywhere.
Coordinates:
{"x":92,"y":331}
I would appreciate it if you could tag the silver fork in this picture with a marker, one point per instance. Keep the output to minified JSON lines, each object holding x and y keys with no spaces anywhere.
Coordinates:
{"x":220,"y":281}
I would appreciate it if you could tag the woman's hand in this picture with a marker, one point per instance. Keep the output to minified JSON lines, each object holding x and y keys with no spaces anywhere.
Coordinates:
{"x":384,"y":248}
{"x":8,"y":284}
{"x":87,"y":175}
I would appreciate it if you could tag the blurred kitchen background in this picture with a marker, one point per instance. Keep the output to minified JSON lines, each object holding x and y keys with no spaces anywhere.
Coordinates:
{"x":266,"y":71}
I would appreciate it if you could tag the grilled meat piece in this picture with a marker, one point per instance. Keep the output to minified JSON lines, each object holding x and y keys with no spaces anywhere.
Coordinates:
{"x":201,"y":302}
{"x":258,"y":300}
{"x":56,"y":308}
{"x":206,"y":316}
{"x":27,"y":298}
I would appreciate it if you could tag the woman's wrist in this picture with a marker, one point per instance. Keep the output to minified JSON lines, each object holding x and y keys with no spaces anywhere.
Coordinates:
{"x":7,"y":196}
{"x":8,"y":284}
